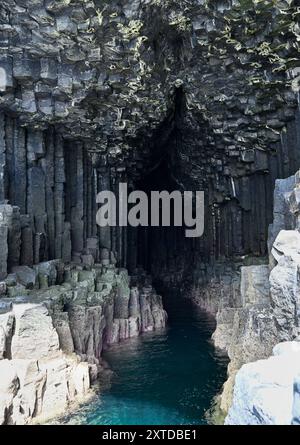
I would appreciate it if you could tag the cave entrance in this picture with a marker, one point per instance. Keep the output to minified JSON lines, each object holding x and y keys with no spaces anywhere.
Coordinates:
{"x":162,"y":250}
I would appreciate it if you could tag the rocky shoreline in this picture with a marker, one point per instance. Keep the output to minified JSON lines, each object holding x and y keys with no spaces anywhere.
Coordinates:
{"x":51,"y":339}
{"x":257,"y":313}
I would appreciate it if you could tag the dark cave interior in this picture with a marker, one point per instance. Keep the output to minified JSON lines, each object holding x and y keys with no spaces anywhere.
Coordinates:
{"x":54,"y":181}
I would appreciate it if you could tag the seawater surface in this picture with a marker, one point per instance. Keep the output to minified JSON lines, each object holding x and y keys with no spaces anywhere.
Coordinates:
{"x":165,"y":378}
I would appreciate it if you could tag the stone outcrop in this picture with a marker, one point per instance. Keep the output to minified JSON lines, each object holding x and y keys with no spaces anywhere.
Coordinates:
{"x":52,"y":336}
{"x":266,"y":392}
{"x":258,"y":316}
{"x":37,"y":378}
{"x":247,"y":332}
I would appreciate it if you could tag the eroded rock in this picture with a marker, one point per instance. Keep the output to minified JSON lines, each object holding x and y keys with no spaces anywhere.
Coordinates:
{"x":265,"y":391}
{"x":51,"y":339}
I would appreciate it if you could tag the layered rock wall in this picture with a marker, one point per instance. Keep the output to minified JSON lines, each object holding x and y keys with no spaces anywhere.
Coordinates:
{"x":267,"y":391}
{"x":51,"y":187}
{"x":256,"y":314}
{"x":53,"y":331}
{"x":209,"y":87}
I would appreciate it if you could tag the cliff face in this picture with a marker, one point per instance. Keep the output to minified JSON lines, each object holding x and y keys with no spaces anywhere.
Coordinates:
{"x":267,"y":391}
{"x":105,"y":91}
{"x":51,"y":338}
{"x":189,"y":94}
{"x":257,"y":308}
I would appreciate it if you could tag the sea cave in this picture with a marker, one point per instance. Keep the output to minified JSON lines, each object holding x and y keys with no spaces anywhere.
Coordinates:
{"x":144,"y":325}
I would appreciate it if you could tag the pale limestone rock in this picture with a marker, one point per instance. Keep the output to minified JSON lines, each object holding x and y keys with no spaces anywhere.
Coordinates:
{"x":264,"y":392}
{"x":290,"y":347}
{"x":32,"y":380}
{"x":40,"y":389}
{"x":287,"y":244}
{"x":9,"y":386}
{"x":67,"y":379}
{"x":35,"y":336}
{"x":284,"y":283}
{"x":55,"y":398}
{"x":6,"y":331}
{"x":81,"y":379}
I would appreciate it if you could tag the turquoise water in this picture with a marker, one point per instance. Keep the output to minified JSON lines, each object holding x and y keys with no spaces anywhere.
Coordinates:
{"x":170,"y":377}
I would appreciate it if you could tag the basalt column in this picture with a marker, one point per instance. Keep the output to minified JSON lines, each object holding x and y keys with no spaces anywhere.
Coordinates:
{"x":48,"y":200}
{"x":238,"y":198}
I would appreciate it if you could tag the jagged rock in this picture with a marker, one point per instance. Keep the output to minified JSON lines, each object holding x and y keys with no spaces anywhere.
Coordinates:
{"x":254,"y":285}
{"x":3,"y":288}
{"x":87,"y":325}
{"x":247,"y":332}
{"x":4,"y":251}
{"x":17,"y":291}
{"x":284,"y":295}
{"x":48,"y":269}
{"x":7,"y":322}
{"x":287,"y":244}
{"x":61,"y":323}
{"x":134,"y":326}
{"x":134,"y":302}
{"x":9,"y":385}
{"x":274,"y":319}
{"x":264,"y":390}
{"x":25,"y":276}
{"x":35,"y":336}
{"x":283,"y":218}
